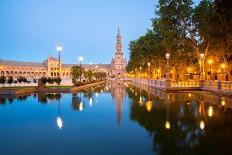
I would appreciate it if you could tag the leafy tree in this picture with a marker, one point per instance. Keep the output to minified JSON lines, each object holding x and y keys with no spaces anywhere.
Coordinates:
{"x":76,"y":74}
{"x":2,"y":79}
{"x":10,"y":80}
{"x":44,"y":79}
{"x":57,"y":80}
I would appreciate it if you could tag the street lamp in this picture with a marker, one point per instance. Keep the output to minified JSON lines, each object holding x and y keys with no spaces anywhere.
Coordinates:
{"x":167,"y":71}
{"x":90,"y":65}
{"x":149,"y":72}
{"x":59,"y":49}
{"x":210,"y":61}
{"x":81,"y":59}
{"x":223,"y":66}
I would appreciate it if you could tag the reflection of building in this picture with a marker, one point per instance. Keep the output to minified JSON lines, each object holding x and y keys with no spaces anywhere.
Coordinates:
{"x":49,"y":67}
{"x":118,"y":64}
{"x":118,"y":92}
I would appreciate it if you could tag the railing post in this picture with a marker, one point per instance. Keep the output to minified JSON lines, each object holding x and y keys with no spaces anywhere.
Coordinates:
{"x":201,"y":83}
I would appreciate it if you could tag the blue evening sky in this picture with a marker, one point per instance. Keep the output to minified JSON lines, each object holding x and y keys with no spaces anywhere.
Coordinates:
{"x":30,"y":29}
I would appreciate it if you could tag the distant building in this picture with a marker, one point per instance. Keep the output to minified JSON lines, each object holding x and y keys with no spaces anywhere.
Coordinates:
{"x":118,"y":63}
{"x":49,"y":68}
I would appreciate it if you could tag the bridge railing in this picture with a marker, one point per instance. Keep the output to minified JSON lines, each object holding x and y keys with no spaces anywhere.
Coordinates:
{"x":211,"y":85}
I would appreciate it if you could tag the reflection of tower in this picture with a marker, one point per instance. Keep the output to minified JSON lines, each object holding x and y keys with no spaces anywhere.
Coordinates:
{"x":118,"y":93}
{"x":59,"y":119}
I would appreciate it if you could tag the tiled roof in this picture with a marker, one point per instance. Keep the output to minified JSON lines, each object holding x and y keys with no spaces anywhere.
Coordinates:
{"x":21,"y":63}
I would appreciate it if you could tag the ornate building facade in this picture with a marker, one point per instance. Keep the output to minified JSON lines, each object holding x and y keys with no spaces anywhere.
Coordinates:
{"x":118,"y":63}
{"x":49,"y":68}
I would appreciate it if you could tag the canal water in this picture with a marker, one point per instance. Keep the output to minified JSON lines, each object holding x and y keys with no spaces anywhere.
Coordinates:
{"x":116,"y":119}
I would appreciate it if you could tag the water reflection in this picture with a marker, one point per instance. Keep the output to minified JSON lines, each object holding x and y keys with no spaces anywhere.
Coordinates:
{"x":185,"y":122}
{"x":177,"y":123}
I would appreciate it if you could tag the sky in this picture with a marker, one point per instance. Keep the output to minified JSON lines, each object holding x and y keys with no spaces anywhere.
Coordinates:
{"x":31,"y":29}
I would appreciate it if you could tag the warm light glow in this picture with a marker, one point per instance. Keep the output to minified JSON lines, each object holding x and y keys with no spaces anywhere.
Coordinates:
{"x":81,"y":106}
{"x":140,"y":68}
{"x":81,"y":58}
{"x":59,"y":122}
{"x":140,"y":100}
{"x":149,"y":106}
{"x":202,"y":55}
{"x":167,"y":55}
{"x":158,"y":70}
{"x":210,"y":111}
{"x":90,"y":102}
{"x":210,"y":61}
{"x":219,"y":71}
{"x":149,"y":64}
{"x":188,"y":103}
{"x":167,"y":125}
{"x":223,"y":102}
{"x":96,"y":66}
{"x":59,"y":48}
{"x":172,"y":71}
{"x":189,"y":69}
{"x":223,"y":66}
{"x":202,"y":125}
{"x":189,"y":95}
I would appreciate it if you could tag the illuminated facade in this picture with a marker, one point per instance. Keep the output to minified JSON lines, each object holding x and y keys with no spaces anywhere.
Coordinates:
{"x":118,"y":63}
{"x":49,"y":68}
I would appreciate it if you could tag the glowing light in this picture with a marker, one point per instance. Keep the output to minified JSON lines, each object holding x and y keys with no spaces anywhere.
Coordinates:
{"x":172,"y":71}
{"x":81,"y":106}
{"x":167,"y":55}
{"x":202,"y":55}
{"x":140,"y":68}
{"x":140,"y":100}
{"x":167,"y":125}
{"x":158,"y":70}
{"x":59,"y":48}
{"x":189,"y":95}
{"x":188,"y":103}
{"x":189,"y":69}
{"x":148,"y":64}
{"x":149,"y":106}
{"x":81,"y":58}
{"x":96,"y":94}
{"x":90,"y":102}
{"x":223,"y":66}
{"x":210,"y":61}
{"x":210,"y":111}
{"x":223,"y":102}
{"x":219,"y":71}
{"x":202,"y":125}
{"x":59,"y":122}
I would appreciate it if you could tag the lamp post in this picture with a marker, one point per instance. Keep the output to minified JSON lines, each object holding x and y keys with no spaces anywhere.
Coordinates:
{"x":148,"y":64}
{"x":200,"y":63}
{"x":167,"y":70}
{"x":223,"y":66}
{"x":90,"y":65}
{"x":81,"y":59}
{"x":59,"y":49}
{"x":210,"y":61}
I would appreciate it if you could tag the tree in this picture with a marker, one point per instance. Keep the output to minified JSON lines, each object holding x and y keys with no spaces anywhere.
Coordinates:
{"x":76,"y":74}
{"x":89,"y":75}
{"x":10,"y":80}
{"x":2,"y":79}
{"x":44,"y":79}
{"x":57,"y":80}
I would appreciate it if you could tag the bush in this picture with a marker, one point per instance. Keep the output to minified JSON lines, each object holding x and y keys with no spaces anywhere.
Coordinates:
{"x":10,"y":80}
{"x":44,"y":79}
{"x":2,"y":79}
{"x":57,"y":80}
